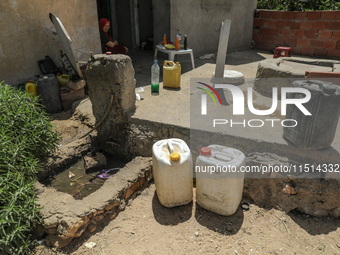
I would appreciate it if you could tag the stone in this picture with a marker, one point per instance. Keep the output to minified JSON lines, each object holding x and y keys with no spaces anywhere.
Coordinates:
{"x":79,"y":208}
{"x":110,"y":206}
{"x":133,"y":187}
{"x":58,"y":241}
{"x":289,"y":190}
{"x":99,"y":217}
{"x":69,"y":226}
{"x":50,"y":222}
{"x":94,"y":162}
{"x":113,"y":215}
{"x":76,"y":84}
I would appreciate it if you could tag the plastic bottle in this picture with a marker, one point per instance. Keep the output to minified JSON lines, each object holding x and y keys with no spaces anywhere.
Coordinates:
{"x":155,"y":77}
{"x":177,"y":44}
{"x":31,"y":88}
{"x":164,"y":39}
{"x":185,"y":43}
{"x":179,"y":36}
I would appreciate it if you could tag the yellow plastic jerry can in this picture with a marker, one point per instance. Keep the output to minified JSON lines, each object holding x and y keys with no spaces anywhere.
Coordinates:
{"x":171,"y":74}
{"x":63,"y":79}
{"x":31,"y":88}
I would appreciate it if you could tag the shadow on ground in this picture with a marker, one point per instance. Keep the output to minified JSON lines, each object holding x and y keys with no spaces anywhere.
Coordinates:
{"x":315,"y":225}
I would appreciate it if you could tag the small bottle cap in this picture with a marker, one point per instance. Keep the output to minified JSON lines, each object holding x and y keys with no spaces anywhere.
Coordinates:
{"x":175,"y":156}
{"x":59,"y":74}
{"x":177,"y":63}
{"x":155,"y":61}
{"x":108,"y":53}
{"x":205,"y":151}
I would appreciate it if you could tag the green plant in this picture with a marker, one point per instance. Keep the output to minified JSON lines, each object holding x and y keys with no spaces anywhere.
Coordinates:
{"x":26,"y":135}
{"x":298,"y":5}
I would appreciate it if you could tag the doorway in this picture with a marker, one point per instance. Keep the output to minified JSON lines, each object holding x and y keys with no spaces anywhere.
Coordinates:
{"x":131,"y":21}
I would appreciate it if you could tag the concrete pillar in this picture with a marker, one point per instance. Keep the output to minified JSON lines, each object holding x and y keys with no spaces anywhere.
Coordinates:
{"x":111,"y":76}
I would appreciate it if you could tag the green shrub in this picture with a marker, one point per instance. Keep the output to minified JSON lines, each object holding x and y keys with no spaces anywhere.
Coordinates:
{"x":26,"y":135}
{"x":298,"y":5}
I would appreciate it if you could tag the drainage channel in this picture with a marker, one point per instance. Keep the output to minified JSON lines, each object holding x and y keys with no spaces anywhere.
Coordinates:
{"x":79,"y":183}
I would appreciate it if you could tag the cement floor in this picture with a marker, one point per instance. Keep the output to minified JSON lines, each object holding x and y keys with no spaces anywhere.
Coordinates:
{"x":172,"y":106}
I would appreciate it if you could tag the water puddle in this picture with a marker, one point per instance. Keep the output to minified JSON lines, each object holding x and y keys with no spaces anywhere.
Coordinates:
{"x":76,"y":182}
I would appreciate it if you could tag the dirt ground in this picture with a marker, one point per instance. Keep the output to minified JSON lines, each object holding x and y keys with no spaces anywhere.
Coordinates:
{"x":146,"y":227}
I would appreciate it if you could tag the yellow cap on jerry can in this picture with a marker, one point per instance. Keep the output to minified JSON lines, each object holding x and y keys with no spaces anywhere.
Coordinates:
{"x":175,"y":156}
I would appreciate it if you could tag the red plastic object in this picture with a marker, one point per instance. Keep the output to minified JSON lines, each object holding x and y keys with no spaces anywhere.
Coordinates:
{"x":205,"y":151}
{"x":108,"y":53}
{"x":278,"y":52}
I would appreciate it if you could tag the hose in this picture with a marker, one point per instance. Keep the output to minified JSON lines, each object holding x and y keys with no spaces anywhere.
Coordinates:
{"x":100,"y":122}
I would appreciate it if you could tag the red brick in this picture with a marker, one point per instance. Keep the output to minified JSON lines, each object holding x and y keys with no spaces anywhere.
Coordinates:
{"x":329,"y":44}
{"x":294,"y":25}
{"x":307,"y":51}
{"x":290,"y":42}
{"x":320,"y":52}
{"x":337,"y":15}
{"x":265,"y":14}
{"x":270,"y":23}
{"x":312,"y":15}
{"x":256,"y":31}
{"x":268,"y":39}
{"x":288,"y":15}
{"x":270,"y":31}
{"x":312,"y":34}
{"x":286,"y":32}
{"x":336,"y":35}
{"x":319,"y":24}
{"x":258,"y":38}
{"x":333,"y":53}
{"x":306,"y":24}
{"x":302,"y":42}
{"x":276,"y":15}
{"x":325,"y":34}
{"x":327,"y":15}
{"x":334,"y":25}
{"x":298,"y":33}
{"x":296,"y":50}
{"x":259,"y":22}
{"x":338,"y":45}
{"x":279,"y":40}
{"x":281,"y":23}
{"x":300,"y":15}
{"x":315,"y":43}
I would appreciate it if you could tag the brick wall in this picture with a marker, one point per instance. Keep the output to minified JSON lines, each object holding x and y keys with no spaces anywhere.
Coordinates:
{"x":306,"y":32}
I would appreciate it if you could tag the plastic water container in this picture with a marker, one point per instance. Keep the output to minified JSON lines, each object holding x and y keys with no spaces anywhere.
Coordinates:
{"x":63,"y":79}
{"x":31,"y":88}
{"x":171,"y":74}
{"x":48,"y":89}
{"x":172,"y":166}
{"x":216,"y":192}
{"x":314,"y":131}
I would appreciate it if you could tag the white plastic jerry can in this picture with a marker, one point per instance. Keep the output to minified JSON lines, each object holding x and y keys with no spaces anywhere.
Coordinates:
{"x":172,"y":165}
{"x":215,"y":190}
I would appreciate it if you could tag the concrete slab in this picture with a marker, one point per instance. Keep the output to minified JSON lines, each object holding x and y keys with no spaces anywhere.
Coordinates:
{"x":172,"y":107}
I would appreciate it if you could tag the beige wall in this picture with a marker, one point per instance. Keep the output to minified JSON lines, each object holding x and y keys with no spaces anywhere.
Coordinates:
{"x":28,"y":35}
{"x":201,"y":21}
